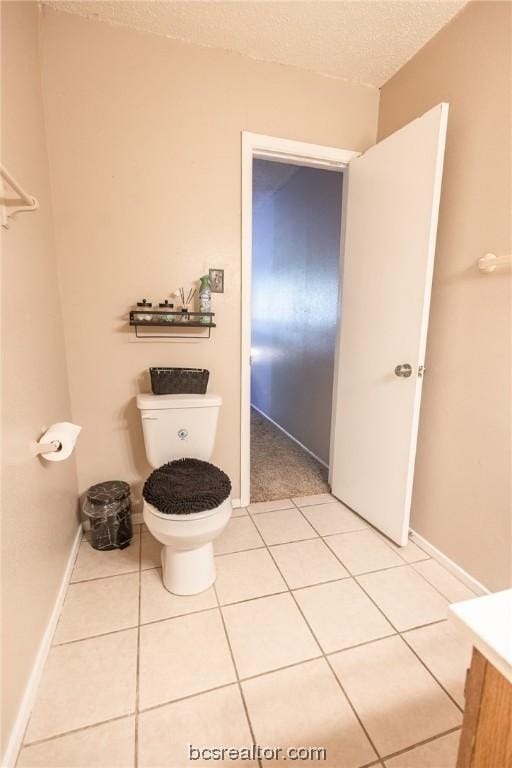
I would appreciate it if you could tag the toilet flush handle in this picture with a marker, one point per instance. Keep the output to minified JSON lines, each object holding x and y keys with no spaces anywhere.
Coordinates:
{"x":149,"y":418}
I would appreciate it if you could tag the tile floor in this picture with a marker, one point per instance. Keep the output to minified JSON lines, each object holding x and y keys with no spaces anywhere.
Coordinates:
{"x":318,"y":632}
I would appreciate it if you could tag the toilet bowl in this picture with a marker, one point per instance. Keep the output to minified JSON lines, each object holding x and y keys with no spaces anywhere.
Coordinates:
{"x":188,"y":565}
{"x":174,"y":427}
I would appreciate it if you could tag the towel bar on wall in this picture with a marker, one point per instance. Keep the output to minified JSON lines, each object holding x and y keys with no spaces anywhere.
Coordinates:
{"x":490,"y":262}
{"x":10,"y":207}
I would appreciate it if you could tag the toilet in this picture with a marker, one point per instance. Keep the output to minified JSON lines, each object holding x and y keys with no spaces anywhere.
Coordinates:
{"x":178,"y":427}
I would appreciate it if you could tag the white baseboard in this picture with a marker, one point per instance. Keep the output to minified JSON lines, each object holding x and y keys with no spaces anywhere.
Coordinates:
{"x":301,"y":445}
{"x":449,"y":564}
{"x":16,"y":738}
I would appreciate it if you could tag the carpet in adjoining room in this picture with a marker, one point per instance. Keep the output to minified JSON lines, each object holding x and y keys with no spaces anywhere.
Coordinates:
{"x":281,"y":469}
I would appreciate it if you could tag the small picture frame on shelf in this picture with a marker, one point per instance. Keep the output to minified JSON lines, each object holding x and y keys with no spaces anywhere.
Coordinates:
{"x":216,"y":280}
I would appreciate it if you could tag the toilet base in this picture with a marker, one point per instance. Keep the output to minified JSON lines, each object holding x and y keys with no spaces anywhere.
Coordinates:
{"x":188,"y":571}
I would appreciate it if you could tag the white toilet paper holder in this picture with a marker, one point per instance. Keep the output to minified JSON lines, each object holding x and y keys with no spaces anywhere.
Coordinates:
{"x":52,"y":447}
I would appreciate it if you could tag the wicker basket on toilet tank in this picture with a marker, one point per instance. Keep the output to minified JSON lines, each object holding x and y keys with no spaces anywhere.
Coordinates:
{"x":179,"y":381}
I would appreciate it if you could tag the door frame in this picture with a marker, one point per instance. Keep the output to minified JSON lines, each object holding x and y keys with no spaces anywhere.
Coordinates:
{"x":261,"y":146}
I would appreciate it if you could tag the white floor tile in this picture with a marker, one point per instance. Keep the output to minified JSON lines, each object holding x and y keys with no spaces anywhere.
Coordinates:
{"x":439,"y":753}
{"x":157,"y":603}
{"x":269,"y":506}
{"x":405,"y":597}
{"x":398,"y":701}
{"x":246,"y":575}
{"x":239,"y":512}
{"x":318,"y":498}
{"x":307,"y":562}
{"x":341,"y":615}
{"x":151,"y":550}
{"x":94,"y":564}
{"x":213,"y":719}
{"x":333,"y":518}
{"x":268,"y":633}
{"x":239,"y":534}
{"x":283,"y":526}
{"x":410,"y":553}
{"x":85,"y":683}
{"x":303,"y":706}
{"x":445,"y":583}
{"x":110,"y":743}
{"x":362,"y":551}
{"x":99,"y":606}
{"x":182,"y":656}
{"x":447,"y":653}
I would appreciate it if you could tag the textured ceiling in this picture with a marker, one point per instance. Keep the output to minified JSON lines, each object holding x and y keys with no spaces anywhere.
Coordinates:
{"x":363,"y":41}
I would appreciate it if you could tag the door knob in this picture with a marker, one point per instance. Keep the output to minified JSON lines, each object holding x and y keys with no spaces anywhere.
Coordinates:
{"x":404,"y":370}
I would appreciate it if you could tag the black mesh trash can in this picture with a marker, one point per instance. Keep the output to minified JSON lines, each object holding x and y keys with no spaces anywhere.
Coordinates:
{"x":107,"y":515}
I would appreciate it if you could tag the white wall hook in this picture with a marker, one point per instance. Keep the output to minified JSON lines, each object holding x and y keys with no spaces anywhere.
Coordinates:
{"x":490,"y":262}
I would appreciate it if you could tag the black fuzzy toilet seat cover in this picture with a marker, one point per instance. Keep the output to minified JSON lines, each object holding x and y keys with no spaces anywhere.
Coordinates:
{"x":185,"y":486}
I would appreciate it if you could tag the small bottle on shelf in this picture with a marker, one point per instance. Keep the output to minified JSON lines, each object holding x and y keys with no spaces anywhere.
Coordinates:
{"x":205,"y":300}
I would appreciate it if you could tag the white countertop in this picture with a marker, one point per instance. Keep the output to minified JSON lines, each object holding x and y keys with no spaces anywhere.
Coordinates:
{"x":488,"y":622}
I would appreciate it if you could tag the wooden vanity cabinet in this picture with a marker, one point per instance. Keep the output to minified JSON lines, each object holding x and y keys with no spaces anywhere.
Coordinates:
{"x":486,"y":739}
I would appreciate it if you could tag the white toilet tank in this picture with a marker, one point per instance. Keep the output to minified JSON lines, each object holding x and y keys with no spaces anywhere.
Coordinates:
{"x":178,"y":426}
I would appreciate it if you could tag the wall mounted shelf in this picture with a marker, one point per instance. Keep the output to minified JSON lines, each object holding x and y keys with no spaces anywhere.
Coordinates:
{"x":172,"y":322}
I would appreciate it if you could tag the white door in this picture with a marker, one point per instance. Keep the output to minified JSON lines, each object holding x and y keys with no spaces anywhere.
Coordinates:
{"x":390,"y":235}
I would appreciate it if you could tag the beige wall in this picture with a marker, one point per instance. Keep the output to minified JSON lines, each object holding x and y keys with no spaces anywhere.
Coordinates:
{"x":462,"y":501}
{"x":144,"y":139}
{"x":295,"y":281}
{"x":39,"y":499}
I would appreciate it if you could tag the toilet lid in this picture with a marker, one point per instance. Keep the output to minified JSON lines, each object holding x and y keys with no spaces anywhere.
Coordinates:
{"x":185,"y":486}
